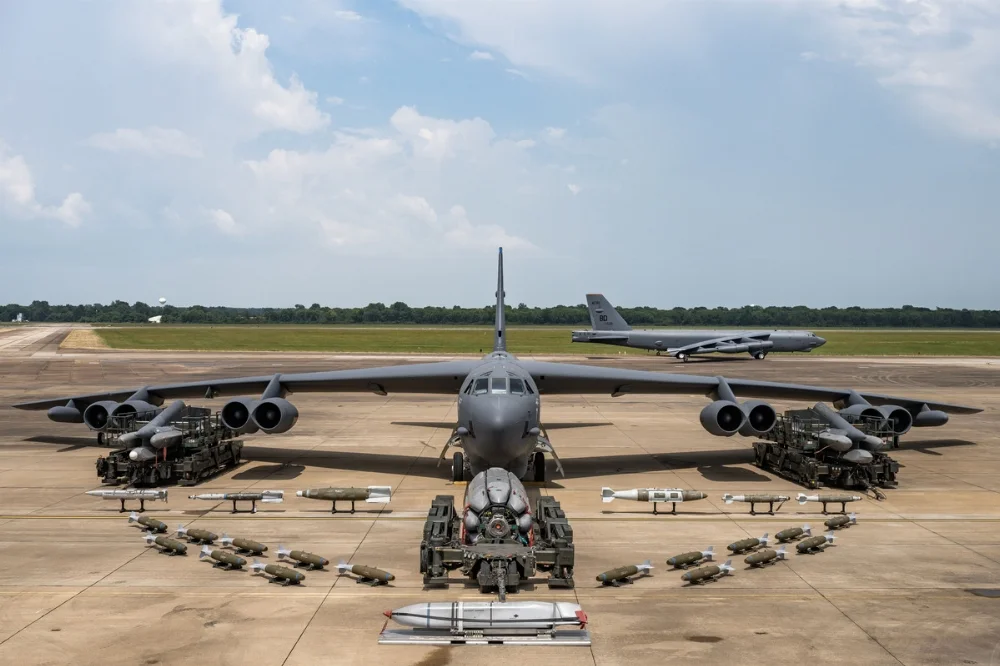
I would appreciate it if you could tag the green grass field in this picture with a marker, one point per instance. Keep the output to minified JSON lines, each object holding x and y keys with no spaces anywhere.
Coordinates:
{"x":528,"y":340}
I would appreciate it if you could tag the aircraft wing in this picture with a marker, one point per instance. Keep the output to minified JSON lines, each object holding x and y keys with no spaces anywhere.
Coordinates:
{"x":445,"y":377}
{"x":554,"y":378}
{"x":704,"y":346}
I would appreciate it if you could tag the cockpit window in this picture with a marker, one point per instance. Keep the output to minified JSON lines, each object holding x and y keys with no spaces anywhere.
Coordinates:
{"x":517,"y":386}
{"x":482,"y":385}
{"x":527,"y":385}
{"x":499,"y":385}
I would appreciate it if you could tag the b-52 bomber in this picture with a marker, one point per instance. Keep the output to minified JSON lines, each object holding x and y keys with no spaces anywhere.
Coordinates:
{"x":499,"y":400}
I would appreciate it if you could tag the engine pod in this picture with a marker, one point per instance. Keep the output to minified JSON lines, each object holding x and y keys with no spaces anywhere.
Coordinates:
{"x":760,"y":418}
{"x":98,"y":415}
{"x":237,"y":415}
{"x":275,"y":415}
{"x":722,"y":418}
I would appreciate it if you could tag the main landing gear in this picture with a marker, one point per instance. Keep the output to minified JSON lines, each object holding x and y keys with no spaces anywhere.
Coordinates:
{"x":458,"y":467}
{"x":758,"y":355}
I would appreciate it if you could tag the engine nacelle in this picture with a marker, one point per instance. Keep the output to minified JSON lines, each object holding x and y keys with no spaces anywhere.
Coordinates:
{"x":65,"y":414}
{"x":275,"y":415}
{"x":854,"y":412}
{"x":925,"y":419}
{"x":897,"y":418}
{"x":98,"y":414}
{"x":237,"y":415}
{"x":133,"y":407}
{"x":722,"y":418}
{"x":760,"y":416}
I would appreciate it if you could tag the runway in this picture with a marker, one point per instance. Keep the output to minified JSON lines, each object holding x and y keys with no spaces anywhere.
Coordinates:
{"x":903,"y":586}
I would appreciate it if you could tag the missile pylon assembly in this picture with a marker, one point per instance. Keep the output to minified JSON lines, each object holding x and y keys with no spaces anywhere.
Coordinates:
{"x":279,"y":574}
{"x":744,"y":545}
{"x":222,"y":558}
{"x":753,"y":500}
{"x":793,"y":533}
{"x":147,"y":522}
{"x":366,"y":574}
{"x":765,"y":556}
{"x":169,"y":546}
{"x":156,"y":435}
{"x":371,"y":494}
{"x":265,"y":496}
{"x":196,"y":534}
{"x":814,"y":544}
{"x":834,"y":498}
{"x":311,"y":560}
{"x":705,"y":574}
{"x":654,"y":495}
{"x":126,"y":494}
{"x":841,"y":521}
{"x":488,"y":622}
{"x":243,"y":545}
{"x":685,"y":560}
{"x":619,"y":575}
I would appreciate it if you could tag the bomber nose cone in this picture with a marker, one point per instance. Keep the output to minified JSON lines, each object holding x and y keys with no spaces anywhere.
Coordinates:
{"x":819,"y":342}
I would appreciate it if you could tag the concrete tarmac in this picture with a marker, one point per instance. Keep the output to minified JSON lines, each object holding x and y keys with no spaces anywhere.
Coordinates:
{"x":914,"y":582}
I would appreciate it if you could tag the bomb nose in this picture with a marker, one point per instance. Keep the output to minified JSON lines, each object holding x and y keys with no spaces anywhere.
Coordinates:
{"x":387,"y":613}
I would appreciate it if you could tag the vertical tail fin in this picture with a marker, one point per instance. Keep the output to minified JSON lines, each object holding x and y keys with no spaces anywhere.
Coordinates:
{"x":500,"y":342}
{"x":603,"y":316}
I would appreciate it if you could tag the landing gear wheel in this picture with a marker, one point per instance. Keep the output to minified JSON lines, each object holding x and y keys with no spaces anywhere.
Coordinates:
{"x":458,"y":467}
{"x":539,"y":465}
{"x":759,"y":355}
{"x":100,"y":439}
{"x":683,"y":357}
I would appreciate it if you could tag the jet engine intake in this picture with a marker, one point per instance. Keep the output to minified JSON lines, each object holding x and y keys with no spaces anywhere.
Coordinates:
{"x":760,"y":416}
{"x":133,"y":407}
{"x":862,"y":410}
{"x":98,"y":414}
{"x":275,"y":415}
{"x":897,"y":418}
{"x":722,"y":418}
{"x":237,"y":415}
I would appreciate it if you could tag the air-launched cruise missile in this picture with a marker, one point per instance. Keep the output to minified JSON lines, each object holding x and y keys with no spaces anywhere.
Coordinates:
{"x":365,"y":574}
{"x":147,"y":522}
{"x":654,"y":495}
{"x":793,"y":533}
{"x":265,"y":496}
{"x":757,"y":499}
{"x":310,"y":559}
{"x":833,"y":498}
{"x":765,"y":556}
{"x":841,"y":521}
{"x":223,"y":558}
{"x":744,"y":545}
{"x":155,"y":435}
{"x":371,"y":494}
{"x":243,"y":545}
{"x":708,"y":573}
{"x":279,"y":574}
{"x":196,"y":534}
{"x":840,"y":429}
{"x":813,"y":544}
{"x":126,"y":494}
{"x":684,"y":560}
{"x":624,"y":574}
{"x":489,"y":616}
{"x":171,"y":546}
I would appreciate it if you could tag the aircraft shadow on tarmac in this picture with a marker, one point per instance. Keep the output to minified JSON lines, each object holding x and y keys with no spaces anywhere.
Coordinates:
{"x":276,"y":472}
{"x":450,"y":425}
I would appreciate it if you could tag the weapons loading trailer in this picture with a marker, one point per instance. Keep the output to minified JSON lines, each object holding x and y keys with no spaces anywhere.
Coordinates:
{"x":207,"y":448}
{"x":792,"y":449}
{"x":497,"y":566}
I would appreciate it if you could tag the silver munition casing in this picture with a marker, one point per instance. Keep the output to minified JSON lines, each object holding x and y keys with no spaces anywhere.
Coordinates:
{"x":489,"y":615}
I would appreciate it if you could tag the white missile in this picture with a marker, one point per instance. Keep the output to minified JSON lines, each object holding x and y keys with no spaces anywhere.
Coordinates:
{"x":490,"y":616}
{"x":125,"y":494}
{"x":654,"y":495}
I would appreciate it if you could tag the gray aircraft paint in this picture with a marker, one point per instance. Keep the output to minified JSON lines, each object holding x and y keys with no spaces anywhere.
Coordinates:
{"x":609,"y":327}
{"x":497,"y":425}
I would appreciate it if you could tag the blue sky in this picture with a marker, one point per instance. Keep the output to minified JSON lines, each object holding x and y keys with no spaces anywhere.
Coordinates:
{"x":667,"y":153}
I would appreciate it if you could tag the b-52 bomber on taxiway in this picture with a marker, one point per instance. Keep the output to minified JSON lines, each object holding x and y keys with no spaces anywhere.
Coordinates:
{"x":499,"y":401}
{"x":610,"y":328}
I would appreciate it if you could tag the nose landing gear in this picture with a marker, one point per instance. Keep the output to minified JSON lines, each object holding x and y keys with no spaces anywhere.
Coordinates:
{"x":458,"y":467}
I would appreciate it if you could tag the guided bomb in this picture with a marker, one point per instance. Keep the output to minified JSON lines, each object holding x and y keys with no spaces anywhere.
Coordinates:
{"x":814,"y":544}
{"x":141,"y":494}
{"x":765,"y":556}
{"x":793,"y":533}
{"x":366,"y":574}
{"x":371,"y":494}
{"x":265,"y":496}
{"x":835,"y":498}
{"x":222,"y":558}
{"x":654,"y":495}
{"x":311,"y":559}
{"x":171,"y":546}
{"x":708,"y":573}
{"x":278,"y":573}
{"x":841,"y":521}
{"x":244,"y":545}
{"x":196,"y":534}
{"x":489,"y":616}
{"x":685,"y":560}
{"x":147,"y":522}
{"x":744,"y":545}
{"x":624,"y":574}
{"x":753,"y":500}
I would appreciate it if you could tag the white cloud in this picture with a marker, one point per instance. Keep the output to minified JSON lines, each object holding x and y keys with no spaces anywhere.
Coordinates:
{"x":152,"y":141}
{"x":224,"y":221}
{"x":480,"y":55}
{"x":17,"y":193}
{"x":334,"y":100}
{"x":347,"y":15}
{"x":525,"y":143}
{"x":555,"y":133}
{"x":441,"y":138}
{"x":574,"y":188}
{"x":516,"y":72}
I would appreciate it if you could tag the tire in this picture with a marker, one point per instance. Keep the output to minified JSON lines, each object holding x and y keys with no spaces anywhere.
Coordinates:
{"x":458,"y":467}
{"x":760,"y":355}
{"x":539,"y":465}
{"x":100,"y":439}
{"x":683,"y":357}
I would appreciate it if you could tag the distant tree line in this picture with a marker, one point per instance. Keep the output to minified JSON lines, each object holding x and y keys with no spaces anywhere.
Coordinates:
{"x":121,"y":312}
